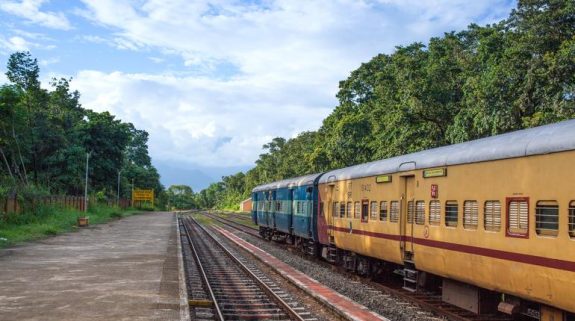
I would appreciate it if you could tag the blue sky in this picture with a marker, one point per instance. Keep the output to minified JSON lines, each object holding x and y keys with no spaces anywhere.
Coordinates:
{"x":212,"y":81}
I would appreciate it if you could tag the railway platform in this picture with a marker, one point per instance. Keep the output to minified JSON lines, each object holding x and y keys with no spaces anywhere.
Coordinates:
{"x":128,"y":269}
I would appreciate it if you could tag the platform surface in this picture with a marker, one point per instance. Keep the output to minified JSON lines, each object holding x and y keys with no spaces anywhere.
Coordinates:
{"x":123,"y":270}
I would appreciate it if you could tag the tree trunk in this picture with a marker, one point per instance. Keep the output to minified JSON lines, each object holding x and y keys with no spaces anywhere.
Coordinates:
{"x":7,"y":165}
{"x":20,"y":154}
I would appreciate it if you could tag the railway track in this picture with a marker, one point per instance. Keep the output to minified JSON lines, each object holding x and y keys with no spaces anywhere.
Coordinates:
{"x":236,"y":225}
{"x":200,"y":299}
{"x":227,"y":287}
{"x":428,"y":301}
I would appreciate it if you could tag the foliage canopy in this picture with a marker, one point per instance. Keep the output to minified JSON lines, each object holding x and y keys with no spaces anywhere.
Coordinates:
{"x":46,"y":134}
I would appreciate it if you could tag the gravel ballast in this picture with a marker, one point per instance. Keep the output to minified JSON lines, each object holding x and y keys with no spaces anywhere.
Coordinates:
{"x":385,"y":304}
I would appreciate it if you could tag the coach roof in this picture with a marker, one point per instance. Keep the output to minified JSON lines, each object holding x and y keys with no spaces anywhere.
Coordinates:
{"x":290,"y":182}
{"x":534,"y":141}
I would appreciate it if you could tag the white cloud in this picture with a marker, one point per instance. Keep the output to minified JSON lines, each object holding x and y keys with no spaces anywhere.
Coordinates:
{"x":94,"y":39}
{"x":30,"y":10}
{"x":32,"y":35}
{"x":281,"y":64}
{"x":198,"y":120}
{"x":15,"y":44}
{"x":157,"y":60}
{"x":48,"y":61}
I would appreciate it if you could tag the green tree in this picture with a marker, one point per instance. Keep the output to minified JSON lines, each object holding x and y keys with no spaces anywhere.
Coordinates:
{"x":180,"y":197}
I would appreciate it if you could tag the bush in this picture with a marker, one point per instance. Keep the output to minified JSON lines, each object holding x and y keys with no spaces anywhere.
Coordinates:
{"x":116,"y":215}
{"x":51,"y":231}
{"x":28,"y":196}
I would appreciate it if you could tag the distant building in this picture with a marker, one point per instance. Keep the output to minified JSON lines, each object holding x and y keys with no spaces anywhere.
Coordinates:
{"x":246,"y":205}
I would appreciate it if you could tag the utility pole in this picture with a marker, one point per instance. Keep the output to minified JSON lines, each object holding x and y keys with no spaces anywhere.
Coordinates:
{"x":86,"y":184}
{"x":132,"y":198}
{"x":118,"y":194}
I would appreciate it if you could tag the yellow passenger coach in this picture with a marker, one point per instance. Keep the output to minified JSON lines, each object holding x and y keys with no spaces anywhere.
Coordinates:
{"x":491,"y":222}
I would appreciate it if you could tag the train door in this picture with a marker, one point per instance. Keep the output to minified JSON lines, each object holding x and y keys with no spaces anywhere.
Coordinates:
{"x":309,"y":207}
{"x":273,"y":209}
{"x":291,"y":209}
{"x":268,"y":208}
{"x":323,"y":221}
{"x":332,"y":211}
{"x":255,"y":205}
{"x":407,"y":216}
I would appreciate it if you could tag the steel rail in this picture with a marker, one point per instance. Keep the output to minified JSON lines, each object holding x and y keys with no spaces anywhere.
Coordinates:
{"x":284,"y":305}
{"x":236,"y":225}
{"x":205,"y":280}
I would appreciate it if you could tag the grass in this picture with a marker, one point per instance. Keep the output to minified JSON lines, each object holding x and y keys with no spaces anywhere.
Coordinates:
{"x":204,"y":220}
{"x":49,"y":221}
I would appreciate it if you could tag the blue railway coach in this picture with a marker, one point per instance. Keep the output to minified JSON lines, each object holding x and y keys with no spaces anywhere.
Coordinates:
{"x":287,"y":210}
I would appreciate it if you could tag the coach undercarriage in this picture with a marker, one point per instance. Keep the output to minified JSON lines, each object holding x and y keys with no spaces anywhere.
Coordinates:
{"x":465,"y":296}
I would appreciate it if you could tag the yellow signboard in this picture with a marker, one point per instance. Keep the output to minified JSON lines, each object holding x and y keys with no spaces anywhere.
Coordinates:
{"x":436,"y":172}
{"x":383,"y":179}
{"x":143,"y":195}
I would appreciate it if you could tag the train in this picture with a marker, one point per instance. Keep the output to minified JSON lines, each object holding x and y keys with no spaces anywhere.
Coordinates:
{"x":489,"y":223}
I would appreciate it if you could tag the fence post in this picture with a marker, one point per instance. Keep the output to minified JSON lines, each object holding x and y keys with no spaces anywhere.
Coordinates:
{"x":16,"y":204}
{"x":4,"y":208}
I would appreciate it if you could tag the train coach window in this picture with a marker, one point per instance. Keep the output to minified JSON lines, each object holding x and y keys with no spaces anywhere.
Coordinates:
{"x":364,"y":211}
{"x":547,"y":218}
{"x":342,"y":209}
{"x":492,"y":213}
{"x":373,"y":210}
{"x":451,"y":213}
{"x":348,"y":211}
{"x":434,"y":212}
{"x":420,"y":212}
{"x":518,"y":217}
{"x":357,"y":211}
{"x":394,"y":211}
{"x":278,"y":206}
{"x":470,"y":215}
{"x":572,"y":219}
{"x":410,"y":210}
{"x":383,"y":211}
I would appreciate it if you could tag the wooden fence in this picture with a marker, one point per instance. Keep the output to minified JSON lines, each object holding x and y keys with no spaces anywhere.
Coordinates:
{"x":11,"y":204}
{"x":122,"y":203}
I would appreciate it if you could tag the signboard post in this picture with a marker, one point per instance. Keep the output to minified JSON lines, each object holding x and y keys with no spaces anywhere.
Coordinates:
{"x":143,"y":195}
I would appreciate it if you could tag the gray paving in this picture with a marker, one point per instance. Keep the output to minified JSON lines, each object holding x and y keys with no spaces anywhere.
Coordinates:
{"x":124,"y":270}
